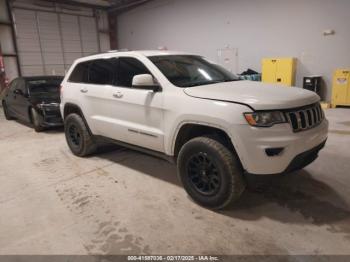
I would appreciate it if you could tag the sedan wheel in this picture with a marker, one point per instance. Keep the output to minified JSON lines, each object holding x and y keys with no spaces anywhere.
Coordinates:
{"x":36,"y":120}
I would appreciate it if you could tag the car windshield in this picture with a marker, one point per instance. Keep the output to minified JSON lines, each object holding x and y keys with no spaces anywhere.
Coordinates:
{"x":44,"y":86}
{"x":189,"y":70}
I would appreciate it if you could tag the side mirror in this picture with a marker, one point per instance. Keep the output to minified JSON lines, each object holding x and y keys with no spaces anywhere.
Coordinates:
{"x":18,"y":92}
{"x":145,"y":81}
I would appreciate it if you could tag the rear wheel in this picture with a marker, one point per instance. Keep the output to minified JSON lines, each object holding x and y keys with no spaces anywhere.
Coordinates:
{"x":36,"y":120}
{"x":210,"y":173}
{"x":6,"y":112}
{"x":79,"y":140}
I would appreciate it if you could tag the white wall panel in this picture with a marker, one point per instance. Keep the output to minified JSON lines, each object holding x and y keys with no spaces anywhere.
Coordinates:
{"x":4,"y":16}
{"x":89,"y":35}
{"x":71,"y":40}
{"x":28,"y":45}
{"x":257,"y":28}
{"x":70,"y":57}
{"x":53,"y":58}
{"x":55,"y":70}
{"x":6,"y":42}
{"x":11,"y":67}
{"x":28,"y":42}
{"x":104,"y":42}
{"x":30,"y":58}
{"x":49,"y":42}
{"x":32,"y":70}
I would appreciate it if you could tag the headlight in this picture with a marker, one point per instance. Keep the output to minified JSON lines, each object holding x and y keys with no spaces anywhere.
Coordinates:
{"x":265,"y":119}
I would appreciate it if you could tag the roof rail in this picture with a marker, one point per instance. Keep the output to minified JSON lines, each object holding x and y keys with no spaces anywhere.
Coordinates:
{"x":118,"y":50}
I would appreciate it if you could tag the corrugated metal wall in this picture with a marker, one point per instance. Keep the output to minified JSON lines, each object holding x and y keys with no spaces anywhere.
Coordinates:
{"x":49,"y":38}
{"x":7,"y":44}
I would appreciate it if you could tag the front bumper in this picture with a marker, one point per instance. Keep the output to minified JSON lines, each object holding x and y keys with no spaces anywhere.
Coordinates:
{"x":299,"y":149}
{"x":51,"y":116}
{"x":304,"y":159}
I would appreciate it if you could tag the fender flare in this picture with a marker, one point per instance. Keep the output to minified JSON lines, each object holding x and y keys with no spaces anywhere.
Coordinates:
{"x":80,"y":112}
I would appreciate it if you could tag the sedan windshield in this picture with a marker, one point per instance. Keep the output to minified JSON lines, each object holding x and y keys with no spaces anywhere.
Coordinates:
{"x":189,"y":70}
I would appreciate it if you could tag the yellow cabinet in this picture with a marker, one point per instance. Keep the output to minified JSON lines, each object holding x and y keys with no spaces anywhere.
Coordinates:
{"x":341,"y":88}
{"x":279,"y":70}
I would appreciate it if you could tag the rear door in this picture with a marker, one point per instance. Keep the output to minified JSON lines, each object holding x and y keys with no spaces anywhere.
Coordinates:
{"x":16,"y":98}
{"x":21,"y":100}
{"x":101,"y":108}
{"x":9,"y":98}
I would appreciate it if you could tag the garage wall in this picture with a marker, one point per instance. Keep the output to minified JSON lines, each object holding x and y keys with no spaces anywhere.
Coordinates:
{"x":50,"y":36}
{"x":7,"y":45}
{"x":256,"y":28}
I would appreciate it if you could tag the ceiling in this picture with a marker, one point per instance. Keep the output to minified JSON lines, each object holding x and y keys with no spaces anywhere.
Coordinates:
{"x":108,"y":4}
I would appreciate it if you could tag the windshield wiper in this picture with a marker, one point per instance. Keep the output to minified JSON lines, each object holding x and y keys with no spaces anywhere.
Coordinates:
{"x":202,"y":83}
{"x":232,"y":80}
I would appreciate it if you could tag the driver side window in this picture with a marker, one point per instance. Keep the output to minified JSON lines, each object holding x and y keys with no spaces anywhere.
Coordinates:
{"x":128,"y":67}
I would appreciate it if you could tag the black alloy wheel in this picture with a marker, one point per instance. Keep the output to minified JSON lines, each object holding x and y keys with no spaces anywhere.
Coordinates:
{"x":36,"y":120}
{"x":80,"y":141}
{"x":210,"y":172}
{"x":74,"y":135}
{"x":204,"y":174}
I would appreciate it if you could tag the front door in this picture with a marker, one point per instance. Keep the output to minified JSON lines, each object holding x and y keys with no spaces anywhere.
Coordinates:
{"x":141,"y":111}
{"x":118,"y":111}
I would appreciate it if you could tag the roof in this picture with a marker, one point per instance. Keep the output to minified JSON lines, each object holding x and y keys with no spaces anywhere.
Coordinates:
{"x":160,"y":53}
{"x":147,"y":53}
{"x":29,"y":78}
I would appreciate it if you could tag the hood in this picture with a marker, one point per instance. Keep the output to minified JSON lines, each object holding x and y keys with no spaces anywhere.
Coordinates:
{"x":260,"y":96}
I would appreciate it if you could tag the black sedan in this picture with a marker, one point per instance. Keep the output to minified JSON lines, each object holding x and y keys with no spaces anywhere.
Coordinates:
{"x":35,"y":100}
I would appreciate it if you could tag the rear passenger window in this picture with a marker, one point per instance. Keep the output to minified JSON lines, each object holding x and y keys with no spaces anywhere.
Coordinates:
{"x":129,"y":67}
{"x":102,"y":72}
{"x":80,"y":73}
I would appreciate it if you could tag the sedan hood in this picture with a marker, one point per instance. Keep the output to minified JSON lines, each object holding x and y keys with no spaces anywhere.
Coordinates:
{"x":257,"y":95}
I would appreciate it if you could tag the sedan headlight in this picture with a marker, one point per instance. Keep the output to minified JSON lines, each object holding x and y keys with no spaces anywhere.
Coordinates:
{"x":265,"y":119}
{"x":44,"y":106}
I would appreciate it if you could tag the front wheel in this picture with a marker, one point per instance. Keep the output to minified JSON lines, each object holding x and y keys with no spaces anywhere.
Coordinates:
{"x":210,"y":173}
{"x":79,"y":140}
{"x":36,"y":120}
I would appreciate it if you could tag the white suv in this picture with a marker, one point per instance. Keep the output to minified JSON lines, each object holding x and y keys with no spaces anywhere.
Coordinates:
{"x":192,"y":111}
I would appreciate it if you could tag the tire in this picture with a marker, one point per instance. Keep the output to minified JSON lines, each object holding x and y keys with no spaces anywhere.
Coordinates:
{"x":6,"y":112}
{"x":78,"y":138}
{"x":36,"y":119}
{"x":210,"y":173}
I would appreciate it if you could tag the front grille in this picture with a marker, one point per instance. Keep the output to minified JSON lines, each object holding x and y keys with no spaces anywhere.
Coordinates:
{"x":305,"y":118}
{"x":52,"y":112}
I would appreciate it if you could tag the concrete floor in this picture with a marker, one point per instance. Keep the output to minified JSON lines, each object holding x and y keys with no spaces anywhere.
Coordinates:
{"x":124,"y":202}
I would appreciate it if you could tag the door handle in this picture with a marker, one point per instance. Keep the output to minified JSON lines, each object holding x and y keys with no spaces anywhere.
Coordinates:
{"x":84,"y":90}
{"x":118,"y":95}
